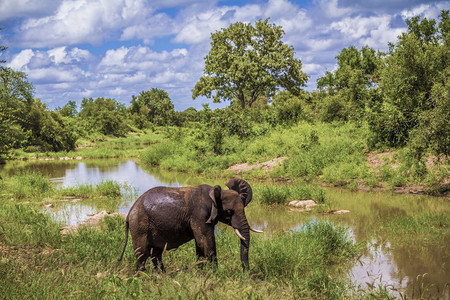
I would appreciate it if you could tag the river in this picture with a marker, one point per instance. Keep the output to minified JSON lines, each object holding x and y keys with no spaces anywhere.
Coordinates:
{"x":385,"y":263}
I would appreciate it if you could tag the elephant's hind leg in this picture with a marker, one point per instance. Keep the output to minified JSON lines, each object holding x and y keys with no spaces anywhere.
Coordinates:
{"x":156,"y":255}
{"x":141,"y":251}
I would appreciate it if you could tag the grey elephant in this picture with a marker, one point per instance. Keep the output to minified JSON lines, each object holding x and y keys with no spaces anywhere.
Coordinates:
{"x":164,"y":218}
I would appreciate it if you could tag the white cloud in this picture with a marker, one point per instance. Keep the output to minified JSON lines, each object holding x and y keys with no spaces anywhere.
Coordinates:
{"x":21,"y":59}
{"x":64,"y":70}
{"x":154,"y":26}
{"x":332,"y":9}
{"x":50,"y":75}
{"x":358,"y":27}
{"x":82,"y":21}
{"x":430,"y":10}
{"x":312,"y":68}
{"x":29,"y":8}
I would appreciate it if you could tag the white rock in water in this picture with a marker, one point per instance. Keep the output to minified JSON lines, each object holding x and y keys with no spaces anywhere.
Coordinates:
{"x":306,"y":204}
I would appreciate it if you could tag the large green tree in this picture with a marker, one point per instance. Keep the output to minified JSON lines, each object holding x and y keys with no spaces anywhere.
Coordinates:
{"x":106,"y":116}
{"x":346,"y":92}
{"x":152,"y":106}
{"x":246,"y":62}
{"x":413,"y":82}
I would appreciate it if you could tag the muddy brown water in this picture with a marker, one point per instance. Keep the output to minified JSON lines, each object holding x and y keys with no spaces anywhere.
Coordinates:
{"x":419,"y":268}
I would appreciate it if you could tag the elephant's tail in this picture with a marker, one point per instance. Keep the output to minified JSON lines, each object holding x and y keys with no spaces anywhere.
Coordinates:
{"x":127,"y":226}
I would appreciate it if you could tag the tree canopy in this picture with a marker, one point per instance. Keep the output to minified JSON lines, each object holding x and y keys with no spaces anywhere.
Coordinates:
{"x":154,"y":106}
{"x":246,"y":62}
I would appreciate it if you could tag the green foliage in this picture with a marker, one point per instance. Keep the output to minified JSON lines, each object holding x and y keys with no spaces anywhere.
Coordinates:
{"x":107,"y":188}
{"x":281,"y":194}
{"x":152,"y":106}
{"x":346,"y":92}
{"x":423,"y":228}
{"x":50,"y":132}
{"x":22,"y":225}
{"x":106,"y":116}
{"x":28,"y":186}
{"x":157,"y":152}
{"x":304,"y":255}
{"x":68,"y":110}
{"x":246,"y":62}
{"x":288,"y":109}
{"x":415,"y":64}
{"x":433,"y":131}
{"x":25,"y":121}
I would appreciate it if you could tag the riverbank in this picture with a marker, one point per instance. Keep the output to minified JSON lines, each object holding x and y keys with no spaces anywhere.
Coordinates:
{"x":321,"y":153}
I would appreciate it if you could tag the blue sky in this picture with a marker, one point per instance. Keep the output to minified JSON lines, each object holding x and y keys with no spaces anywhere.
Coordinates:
{"x":118,"y":48}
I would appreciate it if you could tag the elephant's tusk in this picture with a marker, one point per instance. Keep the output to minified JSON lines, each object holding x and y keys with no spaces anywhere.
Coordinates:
{"x":255,"y":230}
{"x":239,"y":234}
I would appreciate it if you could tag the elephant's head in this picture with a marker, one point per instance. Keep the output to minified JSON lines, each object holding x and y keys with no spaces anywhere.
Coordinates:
{"x":229,"y":207}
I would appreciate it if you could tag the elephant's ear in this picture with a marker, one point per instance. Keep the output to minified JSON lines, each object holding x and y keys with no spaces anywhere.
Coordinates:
{"x":215,"y":195}
{"x":242,"y":187}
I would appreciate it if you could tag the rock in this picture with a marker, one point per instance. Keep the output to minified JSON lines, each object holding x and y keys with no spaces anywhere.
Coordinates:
{"x":92,"y":221}
{"x":304,"y":204}
{"x":336,"y":212}
{"x":342,"y":211}
{"x":266,"y":166}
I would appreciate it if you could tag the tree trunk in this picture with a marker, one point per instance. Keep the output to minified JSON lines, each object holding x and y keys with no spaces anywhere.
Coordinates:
{"x":242,"y":99}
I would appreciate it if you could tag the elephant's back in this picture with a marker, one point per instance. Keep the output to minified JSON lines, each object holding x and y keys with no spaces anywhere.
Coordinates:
{"x":166,"y":209}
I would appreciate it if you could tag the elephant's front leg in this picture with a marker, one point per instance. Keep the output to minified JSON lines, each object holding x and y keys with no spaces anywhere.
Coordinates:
{"x":205,"y":243}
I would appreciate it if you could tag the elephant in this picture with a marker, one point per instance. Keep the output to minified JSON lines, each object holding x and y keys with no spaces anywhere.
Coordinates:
{"x":164,"y":218}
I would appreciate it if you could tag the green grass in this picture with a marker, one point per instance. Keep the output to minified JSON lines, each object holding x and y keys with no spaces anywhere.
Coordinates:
{"x":330,"y":153}
{"x":283,"y":193}
{"x":83,"y":265}
{"x":37,"y":261}
{"x":34,"y":187}
{"x":101,"y":147}
{"x":423,"y":228}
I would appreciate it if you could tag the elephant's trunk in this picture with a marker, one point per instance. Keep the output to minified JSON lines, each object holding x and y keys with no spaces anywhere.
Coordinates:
{"x":245,"y":244}
{"x":241,"y":226}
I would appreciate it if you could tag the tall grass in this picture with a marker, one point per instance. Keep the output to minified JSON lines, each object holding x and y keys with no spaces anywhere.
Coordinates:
{"x":27,"y":186}
{"x":426,"y":227}
{"x":283,"y":193}
{"x":36,"y":187}
{"x":83,"y":265}
{"x":107,"y":188}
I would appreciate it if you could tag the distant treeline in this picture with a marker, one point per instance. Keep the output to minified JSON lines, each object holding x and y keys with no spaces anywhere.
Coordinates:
{"x":403,"y":95}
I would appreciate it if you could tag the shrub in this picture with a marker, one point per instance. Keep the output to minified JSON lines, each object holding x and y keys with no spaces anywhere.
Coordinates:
{"x":280,"y":194}
{"x":157,"y":152}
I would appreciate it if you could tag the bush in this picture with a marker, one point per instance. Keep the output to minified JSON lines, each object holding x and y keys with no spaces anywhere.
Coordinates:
{"x":29,"y":186}
{"x":305,"y":256}
{"x":157,"y":152}
{"x":280,"y":194}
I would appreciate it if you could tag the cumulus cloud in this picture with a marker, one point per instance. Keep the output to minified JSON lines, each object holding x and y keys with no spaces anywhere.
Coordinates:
{"x":81,"y":21}
{"x":162,"y":43}
{"x":28,"y":8}
{"x":21,"y":59}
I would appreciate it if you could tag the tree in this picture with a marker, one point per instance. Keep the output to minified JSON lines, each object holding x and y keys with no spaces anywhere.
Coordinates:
{"x":416,"y":63}
{"x":49,"y":132}
{"x":104,"y":115}
{"x":246,"y":62}
{"x":155,"y":106}
{"x":68,"y":110}
{"x":348,"y":89}
{"x":15,"y":99}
